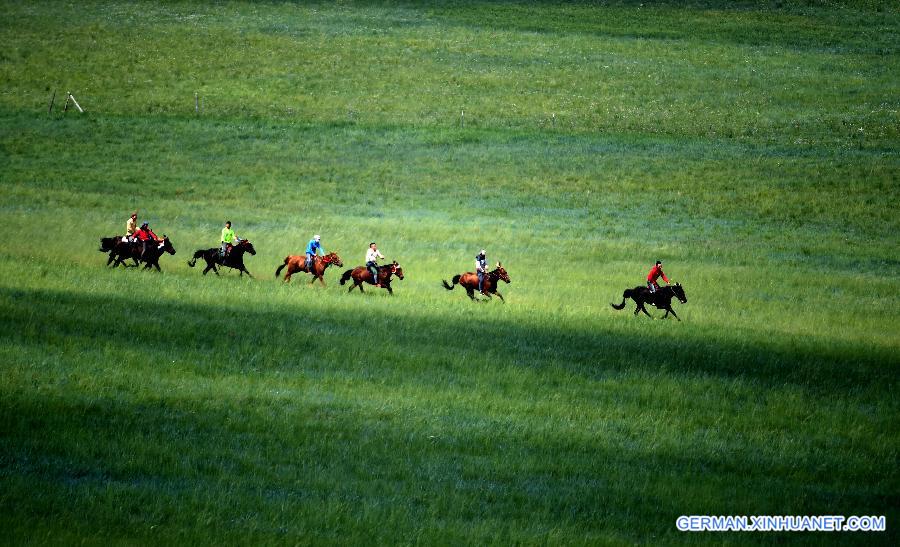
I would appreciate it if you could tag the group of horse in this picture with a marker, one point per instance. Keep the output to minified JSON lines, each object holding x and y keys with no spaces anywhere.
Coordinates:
{"x":121,"y":250}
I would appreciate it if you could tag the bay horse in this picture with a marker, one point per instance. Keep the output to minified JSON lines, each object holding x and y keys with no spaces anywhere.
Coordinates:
{"x":234,"y":259}
{"x":297,"y":263}
{"x":662,"y":299}
{"x":361,"y":274}
{"x":123,"y":251}
{"x":469,"y":281}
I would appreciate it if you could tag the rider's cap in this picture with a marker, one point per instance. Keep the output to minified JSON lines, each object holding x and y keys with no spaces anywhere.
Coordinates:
{"x":373,"y":243}
{"x":145,"y":224}
{"x":659,"y":262}
{"x":483,"y":251}
{"x":134,"y":214}
{"x":317,"y":237}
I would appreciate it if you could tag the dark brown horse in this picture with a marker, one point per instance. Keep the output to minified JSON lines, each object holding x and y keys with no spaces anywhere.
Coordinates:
{"x":662,"y":299}
{"x":123,"y":251}
{"x":469,"y":281}
{"x":361,"y":275}
{"x":115,"y":246}
{"x":234,"y":259}
{"x":297,"y":263}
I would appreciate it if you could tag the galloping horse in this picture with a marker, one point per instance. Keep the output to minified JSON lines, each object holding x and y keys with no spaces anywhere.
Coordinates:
{"x":469,"y":281}
{"x":234,"y":259}
{"x":361,"y":275}
{"x":662,"y":299}
{"x":114,"y":245}
{"x":297,"y":263}
{"x":124,"y":251}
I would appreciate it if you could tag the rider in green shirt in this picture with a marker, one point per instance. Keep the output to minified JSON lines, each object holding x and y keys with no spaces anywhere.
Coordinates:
{"x":228,"y":239}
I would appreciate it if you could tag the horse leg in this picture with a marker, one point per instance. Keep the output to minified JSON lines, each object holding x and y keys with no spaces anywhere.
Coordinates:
{"x":390,"y":290}
{"x":471,"y":292}
{"x":643,"y":309}
{"x":501,"y":296}
{"x":248,"y":272}
{"x":673,"y":313}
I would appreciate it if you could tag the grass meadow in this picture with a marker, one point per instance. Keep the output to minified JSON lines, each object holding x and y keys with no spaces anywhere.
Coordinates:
{"x":752,"y":146}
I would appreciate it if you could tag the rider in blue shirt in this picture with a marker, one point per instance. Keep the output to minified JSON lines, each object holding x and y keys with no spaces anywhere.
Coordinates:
{"x":311,"y":249}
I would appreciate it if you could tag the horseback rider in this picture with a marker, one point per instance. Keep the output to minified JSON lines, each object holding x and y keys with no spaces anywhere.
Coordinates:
{"x":144,"y":236}
{"x":655,"y":273}
{"x":481,"y":270}
{"x":372,"y":256}
{"x":228,"y":240}
{"x":130,"y":228}
{"x":314,"y":246}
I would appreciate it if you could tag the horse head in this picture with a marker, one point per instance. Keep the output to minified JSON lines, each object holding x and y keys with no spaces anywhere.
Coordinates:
{"x":247,"y":246}
{"x":167,"y":245}
{"x":108,"y":243}
{"x":333,"y":258}
{"x":678,"y":290}
{"x":501,"y":273}
{"x":397,"y":270}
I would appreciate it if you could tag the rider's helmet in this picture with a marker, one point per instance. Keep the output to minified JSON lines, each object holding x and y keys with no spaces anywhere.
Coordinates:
{"x":317,"y":237}
{"x":145,"y":224}
{"x":659,"y":262}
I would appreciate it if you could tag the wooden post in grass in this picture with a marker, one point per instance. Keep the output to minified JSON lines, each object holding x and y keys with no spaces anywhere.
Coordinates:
{"x":70,"y":96}
{"x":53,"y":98}
{"x":462,"y":118}
{"x":196,"y":103}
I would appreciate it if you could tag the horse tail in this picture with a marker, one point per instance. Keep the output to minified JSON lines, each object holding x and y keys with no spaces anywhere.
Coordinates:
{"x":346,"y":276}
{"x":448,"y":286}
{"x":625,"y":296}
{"x":278,"y":271}
{"x":193,"y":261}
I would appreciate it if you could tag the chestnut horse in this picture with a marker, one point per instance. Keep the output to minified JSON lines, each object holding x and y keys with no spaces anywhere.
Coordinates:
{"x":469,"y":281}
{"x":297,"y":263}
{"x":361,"y":275}
{"x":662,"y":299}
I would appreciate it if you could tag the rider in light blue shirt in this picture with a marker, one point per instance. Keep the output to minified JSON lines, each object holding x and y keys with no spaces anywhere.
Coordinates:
{"x":311,"y":249}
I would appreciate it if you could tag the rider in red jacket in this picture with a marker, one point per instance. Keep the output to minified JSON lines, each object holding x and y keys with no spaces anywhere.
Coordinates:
{"x":145,"y":235}
{"x":655,"y":273}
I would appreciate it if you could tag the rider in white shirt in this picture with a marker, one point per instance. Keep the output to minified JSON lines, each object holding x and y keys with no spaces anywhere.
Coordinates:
{"x":372,"y":256}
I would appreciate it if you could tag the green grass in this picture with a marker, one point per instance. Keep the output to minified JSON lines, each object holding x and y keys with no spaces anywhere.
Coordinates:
{"x":753,"y":147}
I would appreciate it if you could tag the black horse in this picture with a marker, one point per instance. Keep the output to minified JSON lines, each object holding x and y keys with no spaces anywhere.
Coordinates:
{"x":123,"y":251}
{"x":662,"y":299}
{"x":114,"y":246}
{"x":234,"y":259}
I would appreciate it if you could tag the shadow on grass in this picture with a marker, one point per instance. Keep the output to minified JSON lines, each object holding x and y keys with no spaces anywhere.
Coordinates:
{"x":136,"y":463}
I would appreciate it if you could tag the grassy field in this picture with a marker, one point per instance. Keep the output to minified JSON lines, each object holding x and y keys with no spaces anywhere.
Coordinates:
{"x":751,"y":146}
